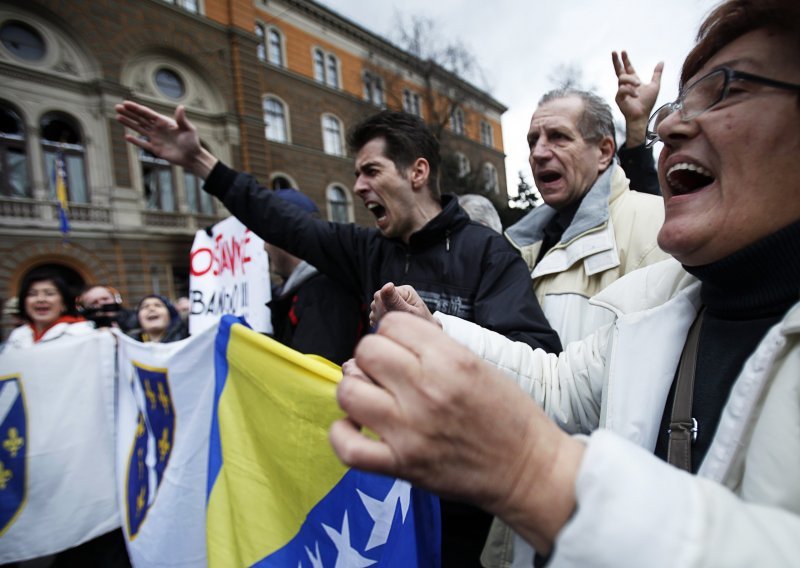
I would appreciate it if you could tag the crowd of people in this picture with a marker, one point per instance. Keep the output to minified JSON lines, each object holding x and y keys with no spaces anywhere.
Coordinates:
{"x":49,"y":309}
{"x":648,"y":317}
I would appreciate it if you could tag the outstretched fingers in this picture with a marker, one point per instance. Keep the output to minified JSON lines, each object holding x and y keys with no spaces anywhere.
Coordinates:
{"x":615,"y":60}
{"x":659,"y":69}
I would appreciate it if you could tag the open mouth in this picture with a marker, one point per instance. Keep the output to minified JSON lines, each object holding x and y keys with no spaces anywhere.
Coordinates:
{"x":378,"y":210}
{"x":549,"y":177}
{"x":686,"y":178}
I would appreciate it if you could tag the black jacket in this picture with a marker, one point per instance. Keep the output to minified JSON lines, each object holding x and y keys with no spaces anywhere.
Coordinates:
{"x":458,"y":267}
{"x":319,"y":316}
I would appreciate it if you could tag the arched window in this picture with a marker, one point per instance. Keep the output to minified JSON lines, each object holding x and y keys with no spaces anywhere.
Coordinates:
{"x":326,"y":68}
{"x":412,"y":102}
{"x":61,"y":139}
{"x":487,"y":134}
{"x":319,"y":65}
{"x":332,"y":141}
{"x":491,"y":183}
{"x":261,"y":48}
{"x":281,"y":182}
{"x":275,"y":46}
{"x":338,"y":204}
{"x":13,"y":156}
{"x":197,"y":200}
{"x":332,"y":78}
{"x":373,"y":88}
{"x":159,"y":185}
{"x":275,"y":124}
{"x":464,"y":166}
{"x":457,"y":120}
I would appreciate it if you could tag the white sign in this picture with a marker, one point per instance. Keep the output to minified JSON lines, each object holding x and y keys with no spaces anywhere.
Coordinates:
{"x":229,"y":274}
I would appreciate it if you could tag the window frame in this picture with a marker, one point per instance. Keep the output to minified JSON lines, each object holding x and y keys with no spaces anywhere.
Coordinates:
{"x":491,"y":182}
{"x":464,"y":165}
{"x":326,"y":67}
{"x":275,"y":51}
{"x":374,"y":90}
{"x":457,"y":120}
{"x":261,"y":48}
{"x":269,"y":97}
{"x":487,"y":134}
{"x":412,"y":102}
{"x":345,"y":205}
{"x":71,"y":151}
{"x":339,"y":133}
{"x":18,"y":142}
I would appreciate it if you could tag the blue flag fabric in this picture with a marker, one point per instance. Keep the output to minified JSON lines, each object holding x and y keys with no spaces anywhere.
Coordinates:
{"x":277,"y":494}
{"x":61,"y":185}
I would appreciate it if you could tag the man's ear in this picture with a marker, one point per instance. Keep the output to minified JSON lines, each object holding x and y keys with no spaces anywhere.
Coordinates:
{"x":420,"y":171}
{"x":607,"y":149}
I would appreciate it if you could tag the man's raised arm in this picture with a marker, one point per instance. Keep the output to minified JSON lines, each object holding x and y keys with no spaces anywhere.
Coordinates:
{"x":172,"y":139}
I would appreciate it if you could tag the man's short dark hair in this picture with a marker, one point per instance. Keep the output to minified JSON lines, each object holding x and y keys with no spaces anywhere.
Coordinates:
{"x":596,"y":122}
{"x":407,"y":138}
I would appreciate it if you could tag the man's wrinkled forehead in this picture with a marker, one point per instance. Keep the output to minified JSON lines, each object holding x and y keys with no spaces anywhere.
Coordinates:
{"x":549,"y":120}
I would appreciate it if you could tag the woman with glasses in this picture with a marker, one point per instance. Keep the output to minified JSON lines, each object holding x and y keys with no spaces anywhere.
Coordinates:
{"x":688,"y":404}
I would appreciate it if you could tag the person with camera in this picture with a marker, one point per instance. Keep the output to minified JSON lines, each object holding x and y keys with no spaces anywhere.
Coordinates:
{"x":102,"y":305}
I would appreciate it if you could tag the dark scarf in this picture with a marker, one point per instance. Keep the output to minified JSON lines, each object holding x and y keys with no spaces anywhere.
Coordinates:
{"x":745,"y":294}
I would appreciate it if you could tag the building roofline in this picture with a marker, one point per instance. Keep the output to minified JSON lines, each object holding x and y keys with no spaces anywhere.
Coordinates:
{"x":342,"y":24}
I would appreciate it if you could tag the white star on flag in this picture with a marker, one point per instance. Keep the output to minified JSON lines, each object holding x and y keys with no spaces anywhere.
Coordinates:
{"x":316,"y":558}
{"x":348,"y":556}
{"x":382,"y":512}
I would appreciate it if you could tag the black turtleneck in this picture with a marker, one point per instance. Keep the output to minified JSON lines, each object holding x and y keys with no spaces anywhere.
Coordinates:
{"x":745,"y":294}
{"x":555,"y":228}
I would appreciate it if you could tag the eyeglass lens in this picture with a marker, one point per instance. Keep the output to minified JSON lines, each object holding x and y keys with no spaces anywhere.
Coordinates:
{"x":698,"y":98}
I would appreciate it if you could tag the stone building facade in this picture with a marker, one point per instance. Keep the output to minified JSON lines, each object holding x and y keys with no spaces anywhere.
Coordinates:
{"x":272,"y":85}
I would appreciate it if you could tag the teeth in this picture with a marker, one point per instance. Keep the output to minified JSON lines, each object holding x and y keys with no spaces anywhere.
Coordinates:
{"x":690,"y":167}
{"x":372,"y":206}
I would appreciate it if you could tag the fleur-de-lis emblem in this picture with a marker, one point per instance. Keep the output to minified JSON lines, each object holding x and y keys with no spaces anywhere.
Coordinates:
{"x":13,"y":442}
{"x":5,"y":475}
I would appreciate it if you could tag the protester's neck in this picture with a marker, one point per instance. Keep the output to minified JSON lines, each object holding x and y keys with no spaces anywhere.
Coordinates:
{"x":155,"y":336}
{"x":424,"y":212}
{"x":757,"y":279}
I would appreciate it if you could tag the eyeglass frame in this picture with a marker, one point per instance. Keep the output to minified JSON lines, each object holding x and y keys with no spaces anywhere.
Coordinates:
{"x":651,"y":134}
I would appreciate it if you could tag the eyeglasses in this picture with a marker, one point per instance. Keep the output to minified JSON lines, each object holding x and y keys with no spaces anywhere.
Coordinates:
{"x":703,"y":95}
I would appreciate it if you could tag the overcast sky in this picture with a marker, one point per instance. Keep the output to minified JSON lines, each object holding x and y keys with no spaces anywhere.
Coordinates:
{"x":520,"y":43}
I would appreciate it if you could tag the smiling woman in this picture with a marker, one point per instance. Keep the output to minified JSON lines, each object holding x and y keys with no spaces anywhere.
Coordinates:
{"x":47,"y":305}
{"x":158,"y":320}
{"x":687,"y":402}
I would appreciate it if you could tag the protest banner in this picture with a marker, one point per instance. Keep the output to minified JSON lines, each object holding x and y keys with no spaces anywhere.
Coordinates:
{"x":228,"y":274}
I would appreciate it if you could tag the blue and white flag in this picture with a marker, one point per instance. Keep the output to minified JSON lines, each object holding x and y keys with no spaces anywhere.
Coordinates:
{"x":56,"y":446}
{"x":165,"y":393}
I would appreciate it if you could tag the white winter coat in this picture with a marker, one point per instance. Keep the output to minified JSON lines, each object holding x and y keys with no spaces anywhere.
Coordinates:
{"x":743,"y":506}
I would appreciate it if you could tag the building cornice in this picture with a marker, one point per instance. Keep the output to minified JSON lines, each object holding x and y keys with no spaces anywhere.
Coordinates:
{"x":334,"y":20}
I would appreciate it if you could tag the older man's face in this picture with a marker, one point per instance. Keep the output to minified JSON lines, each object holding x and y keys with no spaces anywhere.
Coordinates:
{"x":564,"y":165}
{"x":731,"y":176}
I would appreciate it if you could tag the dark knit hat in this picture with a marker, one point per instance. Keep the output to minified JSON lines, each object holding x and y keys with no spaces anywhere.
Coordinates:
{"x":300,"y":199}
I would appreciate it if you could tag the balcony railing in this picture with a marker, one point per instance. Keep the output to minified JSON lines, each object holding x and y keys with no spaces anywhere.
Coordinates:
{"x":86,"y":213}
{"x":20,"y":208}
{"x":20,"y":211}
